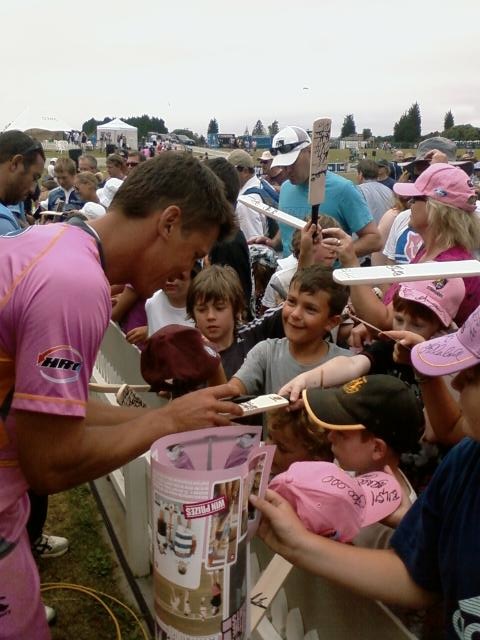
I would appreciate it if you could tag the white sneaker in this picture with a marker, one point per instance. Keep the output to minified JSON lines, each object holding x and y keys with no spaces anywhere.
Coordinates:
{"x":50,"y":614}
{"x":50,"y":546}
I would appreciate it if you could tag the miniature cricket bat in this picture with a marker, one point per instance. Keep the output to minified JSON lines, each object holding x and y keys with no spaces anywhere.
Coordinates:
{"x":128,"y":397}
{"x":407,"y":272}
{"x":271,"y":212}
{"x":262,"y":404}
{"x":318,"y":164}
{"x":113,"y":388}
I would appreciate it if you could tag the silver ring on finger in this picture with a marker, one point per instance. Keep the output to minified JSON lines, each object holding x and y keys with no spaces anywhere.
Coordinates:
{"x":338,"y":242}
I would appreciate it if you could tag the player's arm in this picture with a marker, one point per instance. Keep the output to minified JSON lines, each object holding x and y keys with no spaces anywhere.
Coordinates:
{"x":101,"y":413}
{"x":58,"y":452}
{"x":366,"y":304}
{"x":374,"y":573}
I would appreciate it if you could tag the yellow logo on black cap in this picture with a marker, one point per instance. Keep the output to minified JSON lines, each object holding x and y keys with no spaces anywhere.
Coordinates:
{"x":355,"y":385}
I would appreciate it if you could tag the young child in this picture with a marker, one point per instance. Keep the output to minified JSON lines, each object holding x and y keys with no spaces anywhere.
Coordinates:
{"x":295,"y":439}
{"x":370,"y":422}
{"x":168,"y":305}
{"x":425,"y":308}
{"x":435,"y":551}
{"x":312,"y":309}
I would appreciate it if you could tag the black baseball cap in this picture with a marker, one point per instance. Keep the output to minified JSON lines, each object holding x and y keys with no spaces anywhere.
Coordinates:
{"x":382,"y":404}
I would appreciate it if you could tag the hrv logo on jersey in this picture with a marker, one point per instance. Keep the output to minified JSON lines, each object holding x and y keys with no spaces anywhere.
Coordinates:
{"x":60,"y":364}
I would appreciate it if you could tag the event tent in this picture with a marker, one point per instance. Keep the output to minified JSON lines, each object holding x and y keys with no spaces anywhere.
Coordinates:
{"x":38,"y":121}
{"x":116,"y":128}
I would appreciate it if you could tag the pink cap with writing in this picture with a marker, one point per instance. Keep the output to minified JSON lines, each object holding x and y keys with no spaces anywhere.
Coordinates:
{"x":450,"y":353}
{"x":443,"y":296}
{"x":332,"y":503}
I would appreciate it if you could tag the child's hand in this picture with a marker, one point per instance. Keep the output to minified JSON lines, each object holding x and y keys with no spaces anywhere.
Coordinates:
{"x":405,"y":340}
{"x":280,"y":527}
{"x":139,"y":334}
{"x":359,"y":337}
{"x":342,"y":244}
{"x":293,"y":389}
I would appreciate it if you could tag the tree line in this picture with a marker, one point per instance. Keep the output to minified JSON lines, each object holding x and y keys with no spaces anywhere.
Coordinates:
{"x":406,"y":131}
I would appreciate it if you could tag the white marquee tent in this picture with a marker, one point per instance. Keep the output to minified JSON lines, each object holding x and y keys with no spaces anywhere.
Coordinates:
{"x":116,"y":128}
{"x":29,"y":120}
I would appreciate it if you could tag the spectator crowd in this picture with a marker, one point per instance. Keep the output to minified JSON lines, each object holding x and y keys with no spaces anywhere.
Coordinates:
{"x":161,"y":245}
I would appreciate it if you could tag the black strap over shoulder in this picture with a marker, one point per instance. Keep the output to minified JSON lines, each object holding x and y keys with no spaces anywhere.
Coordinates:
{"x":76,"y":221}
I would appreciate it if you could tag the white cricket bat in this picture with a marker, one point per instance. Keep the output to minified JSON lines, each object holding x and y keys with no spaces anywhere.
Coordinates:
{"x":407,"y":272}
{"x":318,"y":164}
{"x":271,"y":212}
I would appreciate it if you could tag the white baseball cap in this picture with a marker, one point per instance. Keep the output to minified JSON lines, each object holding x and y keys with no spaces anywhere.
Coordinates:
{"x":287,"y":144}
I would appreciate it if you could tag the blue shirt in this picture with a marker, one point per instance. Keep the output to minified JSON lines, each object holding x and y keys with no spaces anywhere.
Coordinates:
{"x":74,"y":200}
{"x":439,"y":539}
{"x":8,"y":221}
{"x":343,"y":201}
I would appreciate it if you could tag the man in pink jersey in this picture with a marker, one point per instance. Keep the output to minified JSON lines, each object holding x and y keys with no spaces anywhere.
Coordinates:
{"x":54,"y":309}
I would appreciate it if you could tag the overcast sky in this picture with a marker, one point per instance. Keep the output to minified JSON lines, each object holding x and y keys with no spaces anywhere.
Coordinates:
{"x":188,"y":61}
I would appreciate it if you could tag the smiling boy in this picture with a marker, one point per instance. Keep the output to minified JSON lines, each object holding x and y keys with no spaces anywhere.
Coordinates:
{"x":311,"y":311}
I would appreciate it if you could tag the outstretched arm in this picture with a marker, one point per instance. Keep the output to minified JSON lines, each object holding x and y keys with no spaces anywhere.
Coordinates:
{"x":444,"y":413}
{"x":374,"y":573}
{"x":335,"y":371}
{"x":366,"y":304}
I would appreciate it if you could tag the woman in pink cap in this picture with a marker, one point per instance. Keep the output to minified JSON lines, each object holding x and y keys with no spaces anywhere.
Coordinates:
{"x":442,"y":202}
{"x":435,"y":551}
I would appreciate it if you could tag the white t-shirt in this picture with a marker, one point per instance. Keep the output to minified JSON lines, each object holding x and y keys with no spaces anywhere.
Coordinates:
{"x":160,"y":313}
{"x":402,"y":243}
{"x":252,"y":224}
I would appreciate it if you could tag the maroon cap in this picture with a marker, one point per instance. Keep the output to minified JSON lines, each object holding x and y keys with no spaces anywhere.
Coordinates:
{"x":177,"y":358}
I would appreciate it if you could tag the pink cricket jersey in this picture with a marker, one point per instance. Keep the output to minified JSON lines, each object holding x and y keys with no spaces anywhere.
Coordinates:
{"x":54,"y":310}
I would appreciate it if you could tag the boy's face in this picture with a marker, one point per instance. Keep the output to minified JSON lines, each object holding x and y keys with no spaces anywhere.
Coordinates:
{"x":352,"y":451}
{"x":215,"y":320}
{"x":306,"y":316}
{"x":467,"y":383}
{"x":289,"y":449}
{"x":64,"y":179}
{"x":403,"y":321}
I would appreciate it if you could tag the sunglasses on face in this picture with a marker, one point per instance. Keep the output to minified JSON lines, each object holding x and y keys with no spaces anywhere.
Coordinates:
{"x":132,"y":164}
{"x":414,"y":199}
{"x":286,"y":148}
{"x":239,"y":167}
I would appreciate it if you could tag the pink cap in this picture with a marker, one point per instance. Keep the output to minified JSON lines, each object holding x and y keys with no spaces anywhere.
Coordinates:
{"x":450,"y":353}
{"x":443,"y":296}
{"x":332,"y":503}
{"x":443,"y":183}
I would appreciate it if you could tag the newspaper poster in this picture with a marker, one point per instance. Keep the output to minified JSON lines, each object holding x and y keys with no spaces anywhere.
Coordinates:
{"x":202,"y":523}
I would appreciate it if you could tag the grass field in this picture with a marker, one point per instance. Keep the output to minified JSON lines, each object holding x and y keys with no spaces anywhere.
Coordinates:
{"x":89,"y":562}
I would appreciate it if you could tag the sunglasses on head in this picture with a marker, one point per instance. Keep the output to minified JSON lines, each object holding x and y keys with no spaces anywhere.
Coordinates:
{"x":414,"y":199}
{"x":36,"y":146}
{"x":286,"y":148}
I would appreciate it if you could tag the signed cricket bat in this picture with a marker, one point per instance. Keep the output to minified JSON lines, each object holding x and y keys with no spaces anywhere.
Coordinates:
{"x":407,"y":272}
{"x":318,"y":164}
